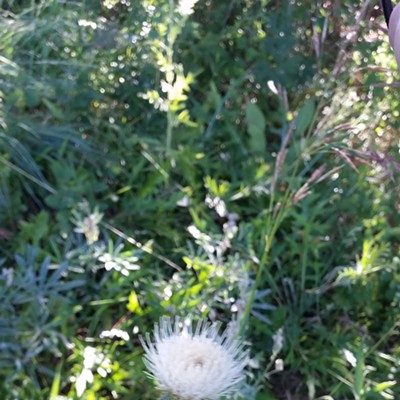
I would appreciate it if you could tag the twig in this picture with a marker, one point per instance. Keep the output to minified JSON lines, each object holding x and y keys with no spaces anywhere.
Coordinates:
{"x":140,"y":246}
{"x":27,"y":175}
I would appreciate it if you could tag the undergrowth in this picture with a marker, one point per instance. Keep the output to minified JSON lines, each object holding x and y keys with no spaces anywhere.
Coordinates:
{"x":236,"y":164}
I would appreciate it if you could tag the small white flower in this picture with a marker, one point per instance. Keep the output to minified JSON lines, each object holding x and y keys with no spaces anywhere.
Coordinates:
{"x":118,"y":333}
{"x":85,"y":23}
{"x":194,"y":365}
{"x":185,"y":7}
{"x":350,"y":358}
{"x":92,"y":358}
{"x":278,"y":339}
{"x":279,"y":365}
{"x":8,"y":275}
{"x":85,"y":377}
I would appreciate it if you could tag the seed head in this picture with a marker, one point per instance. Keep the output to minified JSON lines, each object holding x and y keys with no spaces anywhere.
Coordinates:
{"x":194,"y":365}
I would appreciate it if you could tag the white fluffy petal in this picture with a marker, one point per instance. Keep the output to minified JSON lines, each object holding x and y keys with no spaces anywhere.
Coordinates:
{"x":199,"y":365}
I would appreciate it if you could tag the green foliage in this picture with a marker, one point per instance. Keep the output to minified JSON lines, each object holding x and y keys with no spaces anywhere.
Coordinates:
{"x":237,"y":163}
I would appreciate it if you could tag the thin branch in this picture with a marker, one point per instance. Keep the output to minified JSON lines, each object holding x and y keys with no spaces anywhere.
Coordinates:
{"x":140,"y":246}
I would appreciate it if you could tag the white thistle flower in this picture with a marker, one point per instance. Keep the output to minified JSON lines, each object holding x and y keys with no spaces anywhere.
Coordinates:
{"x":194,"y":365}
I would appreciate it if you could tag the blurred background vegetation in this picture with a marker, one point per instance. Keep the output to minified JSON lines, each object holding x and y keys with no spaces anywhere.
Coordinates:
{"x":235,"y":163}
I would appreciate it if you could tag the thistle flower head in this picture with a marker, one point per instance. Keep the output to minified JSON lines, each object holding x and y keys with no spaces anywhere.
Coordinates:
{"x":197,"y":364}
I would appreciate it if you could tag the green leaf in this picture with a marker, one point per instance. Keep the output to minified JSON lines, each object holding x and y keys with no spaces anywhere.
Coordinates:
{"x":305,"y":117}
{"x":214,"y":95}
{"x":359,"y":372}
{"x":17,"y":98}
{"x":36,"y":229}
{"x":55,"y":387}
{"x":32,"y":97}
{"x":195,"y":289}
{"x":266,"y":394}
{"x":55,"y":111}
{"x":256,"y":127}
{"x":133,"y":304}
{"x":380,"y":387}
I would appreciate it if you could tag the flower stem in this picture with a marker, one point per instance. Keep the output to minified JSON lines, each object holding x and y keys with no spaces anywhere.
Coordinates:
{"x":169,"y":75}
{"x":272,"y":224}
{"x":169,"y":130}
{"x":269,"y":238}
